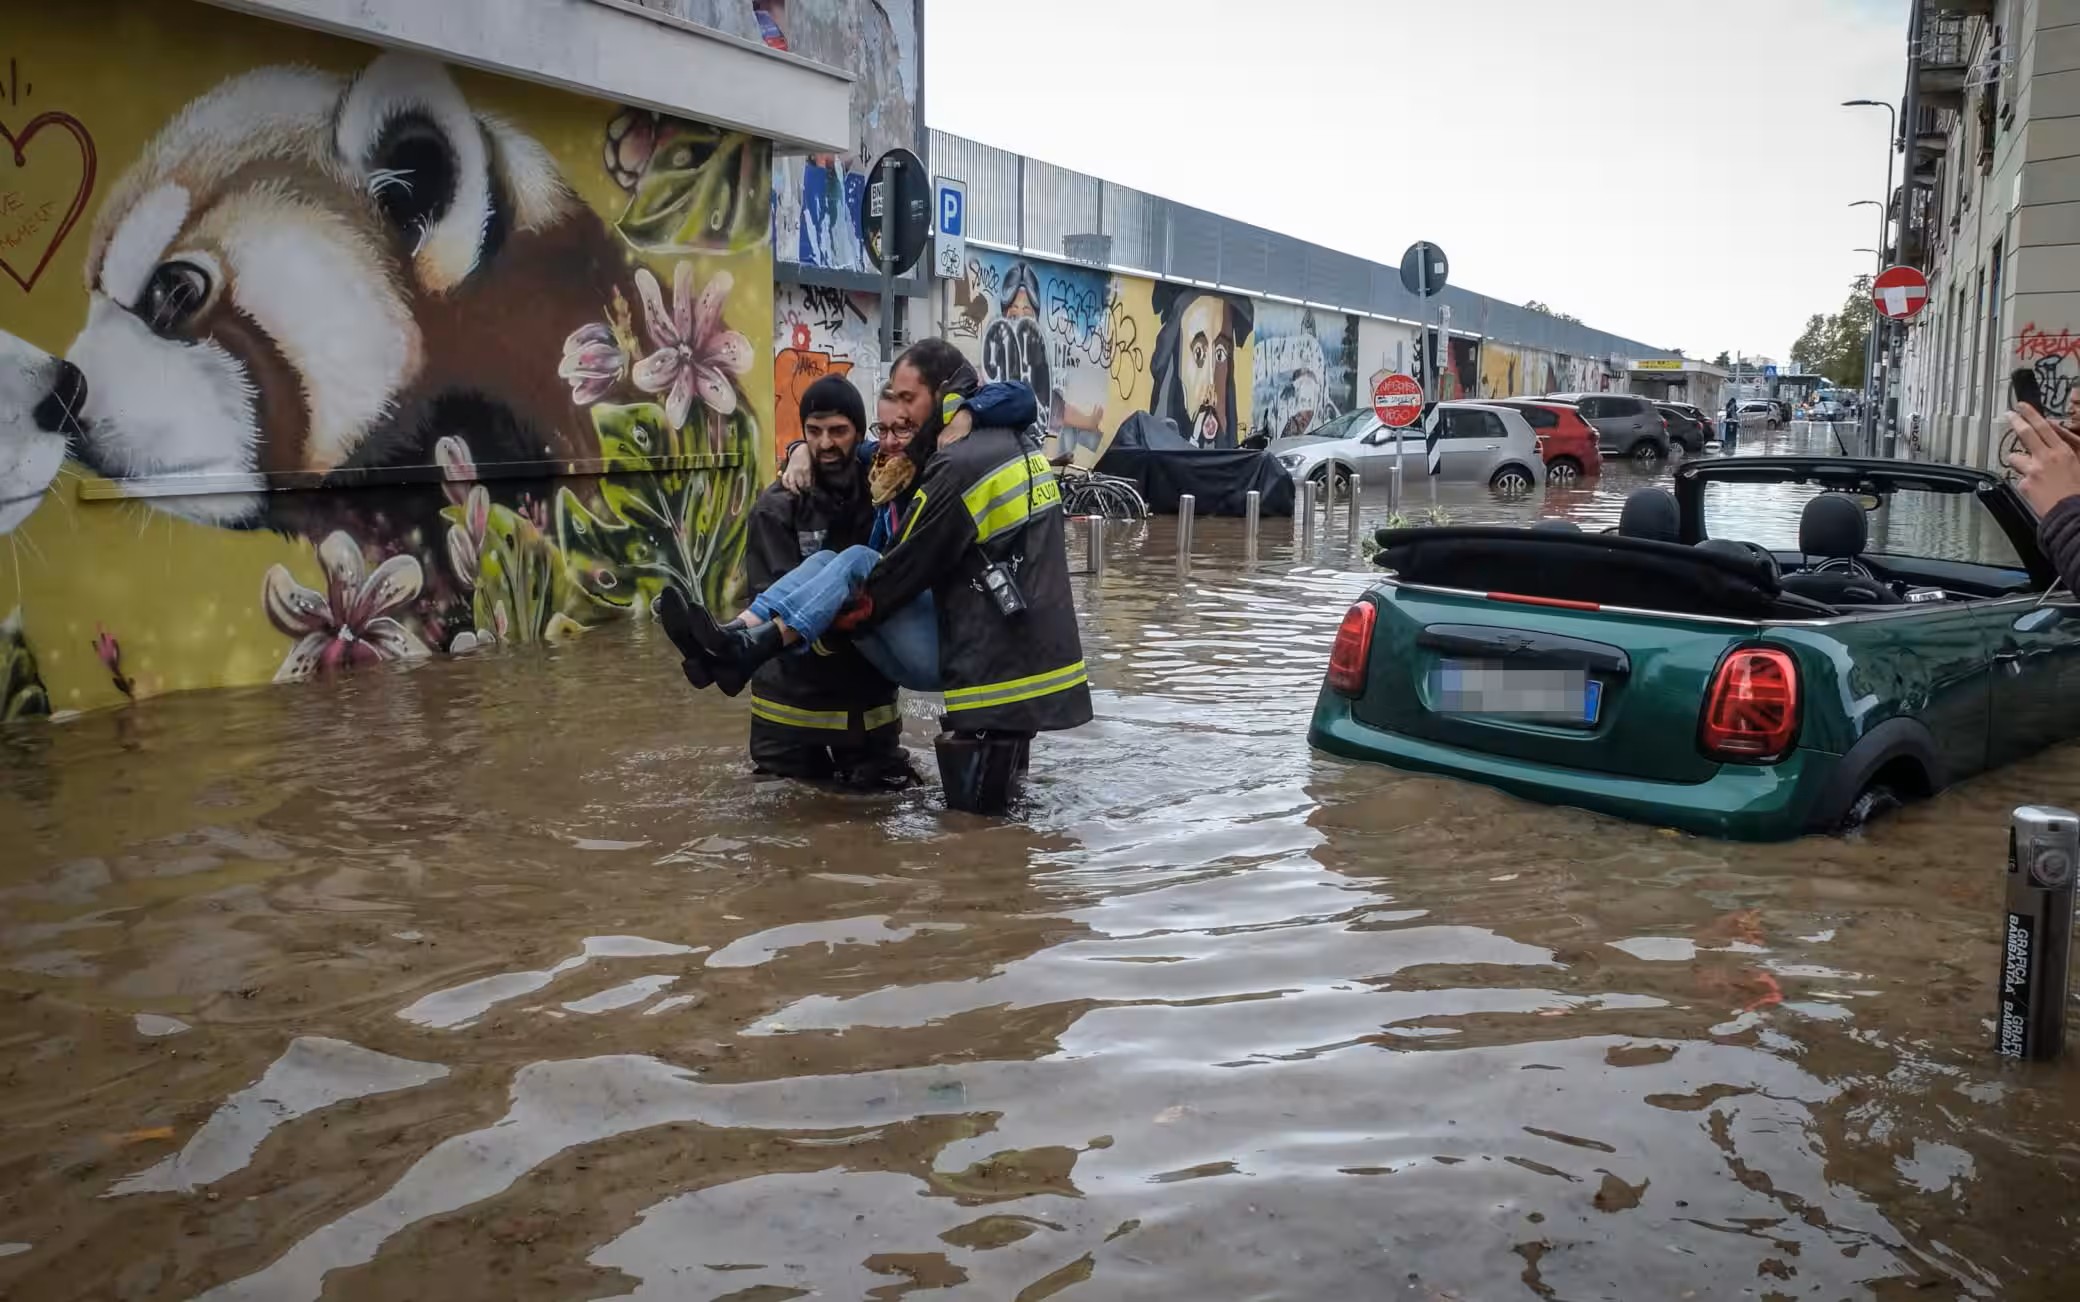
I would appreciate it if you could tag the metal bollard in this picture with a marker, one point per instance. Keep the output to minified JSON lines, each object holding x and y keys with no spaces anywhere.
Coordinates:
{"x":1097,"y":544}
{"x":1252,"y":511}
{"x":1357,"y":491}
{"x":2037,"y":938}
{"x":1186,"y":505}
{"x":1310,"y":493}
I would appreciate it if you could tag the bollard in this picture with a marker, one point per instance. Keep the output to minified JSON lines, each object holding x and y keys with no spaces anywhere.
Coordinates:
{"x":1357,"y":491}
{"x":1097,"y":544}
{"x":2037,"y":938}
{"x":1310,"y":492}
{"x":1252,"y":512}
{"x":1186,"y":504}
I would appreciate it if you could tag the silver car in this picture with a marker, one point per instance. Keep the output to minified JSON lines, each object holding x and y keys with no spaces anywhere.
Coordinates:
{"x":1479,"y":443}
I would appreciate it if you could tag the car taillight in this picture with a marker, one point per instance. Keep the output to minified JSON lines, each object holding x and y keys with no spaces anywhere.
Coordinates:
{"x":1751,"y":712}
{"x":1353,"y":649}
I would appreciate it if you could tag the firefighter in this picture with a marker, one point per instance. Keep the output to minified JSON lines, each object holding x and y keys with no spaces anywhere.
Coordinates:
{"x":985,"y":537}
{"x":827,"y":713}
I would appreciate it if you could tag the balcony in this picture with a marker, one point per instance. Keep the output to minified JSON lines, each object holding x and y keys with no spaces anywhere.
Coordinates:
{"x":1940,"y":69}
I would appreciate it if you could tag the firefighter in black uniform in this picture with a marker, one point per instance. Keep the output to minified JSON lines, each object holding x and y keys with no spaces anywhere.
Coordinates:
{"x":824,"y":713}
{"x":987,"y":538}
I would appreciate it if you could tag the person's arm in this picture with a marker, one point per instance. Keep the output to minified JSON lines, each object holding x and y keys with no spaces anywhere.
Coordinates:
{"x":772,"y":546}
{"x":935,"y":540}
{"x":1003,"y":405}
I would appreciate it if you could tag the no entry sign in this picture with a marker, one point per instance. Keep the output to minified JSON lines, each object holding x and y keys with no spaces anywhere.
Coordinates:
{"x":1397,"y":400}
{"x":1900,"y":292}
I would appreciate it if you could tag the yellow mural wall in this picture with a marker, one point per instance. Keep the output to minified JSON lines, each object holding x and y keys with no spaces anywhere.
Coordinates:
{"x":313,"y":355}
{"x":1099,"y":347}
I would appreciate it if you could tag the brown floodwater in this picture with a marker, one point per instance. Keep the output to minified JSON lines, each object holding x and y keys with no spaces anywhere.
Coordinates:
{"x":503,"y":978}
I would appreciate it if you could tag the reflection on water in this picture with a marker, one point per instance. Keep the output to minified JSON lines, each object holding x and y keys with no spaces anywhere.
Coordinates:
{"x":505,"y":980}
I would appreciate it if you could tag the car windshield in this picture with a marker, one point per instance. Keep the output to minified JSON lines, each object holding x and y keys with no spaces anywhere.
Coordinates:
{"x":1349,"y":425}
{"x":1910,"y":522}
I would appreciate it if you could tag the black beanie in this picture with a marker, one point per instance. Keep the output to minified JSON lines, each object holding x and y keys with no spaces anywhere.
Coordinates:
{"x":833,"y":395}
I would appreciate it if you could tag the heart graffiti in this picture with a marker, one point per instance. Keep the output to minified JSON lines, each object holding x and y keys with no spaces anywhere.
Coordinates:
{"x":19,"y":144}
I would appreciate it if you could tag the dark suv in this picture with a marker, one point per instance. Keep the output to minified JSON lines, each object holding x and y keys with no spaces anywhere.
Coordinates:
{"x":1686,"y":431}
{"x":1626,"y":426}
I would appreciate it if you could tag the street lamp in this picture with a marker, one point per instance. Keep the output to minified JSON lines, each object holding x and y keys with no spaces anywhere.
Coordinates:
{"x":1870,"y":345}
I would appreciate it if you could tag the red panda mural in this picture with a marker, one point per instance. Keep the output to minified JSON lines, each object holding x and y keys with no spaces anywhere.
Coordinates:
{"x":461,"y":388}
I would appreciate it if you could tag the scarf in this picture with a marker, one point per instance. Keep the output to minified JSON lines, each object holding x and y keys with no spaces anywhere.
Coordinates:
{"x":890,"y":476}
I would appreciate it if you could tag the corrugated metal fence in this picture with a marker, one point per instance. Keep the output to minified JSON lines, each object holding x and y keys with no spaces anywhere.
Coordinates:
{"x":1051,"y":212}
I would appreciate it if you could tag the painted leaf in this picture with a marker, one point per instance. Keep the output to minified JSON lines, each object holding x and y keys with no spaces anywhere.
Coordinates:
{"x":705,"y":191}
{"x":22,"y":694}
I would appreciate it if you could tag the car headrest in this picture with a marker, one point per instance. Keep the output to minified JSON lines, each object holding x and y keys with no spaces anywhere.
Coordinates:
{"x":1650,"y":513}
{"x":1833,"y":525}
{"x":1558,"y":526}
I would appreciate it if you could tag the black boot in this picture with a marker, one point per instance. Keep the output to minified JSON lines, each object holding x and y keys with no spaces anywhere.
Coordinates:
{"x":743,"y":650}
{"x":685,"y":624}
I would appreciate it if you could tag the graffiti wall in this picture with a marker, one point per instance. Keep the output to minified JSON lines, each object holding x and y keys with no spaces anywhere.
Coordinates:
{"x":313,"y":356}
{"x":817,"y":332}
{"x":816,"y":198}
{"x":1384,"y":348}
{"x":1306,"y":369}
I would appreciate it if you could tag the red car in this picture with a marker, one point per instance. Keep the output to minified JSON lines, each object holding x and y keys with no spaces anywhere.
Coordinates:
{"x":1566,"y":441}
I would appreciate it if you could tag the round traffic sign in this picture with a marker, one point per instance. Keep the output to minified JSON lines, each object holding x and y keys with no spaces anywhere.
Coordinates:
{"x":1397,"y":400}
{"x":906,"y":215}
{"x":1424,"y":269}
{"x":1900,"y":292}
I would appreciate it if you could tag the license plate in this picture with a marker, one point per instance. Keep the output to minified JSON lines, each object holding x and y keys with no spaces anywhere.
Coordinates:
{"x":1475,"y":688}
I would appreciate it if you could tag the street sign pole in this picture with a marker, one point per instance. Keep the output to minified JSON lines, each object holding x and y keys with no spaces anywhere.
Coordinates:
{"x":887,"y":182}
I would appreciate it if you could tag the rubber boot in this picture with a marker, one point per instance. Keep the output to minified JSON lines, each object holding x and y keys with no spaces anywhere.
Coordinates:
{"x":741,"y":653}
{"x":981,"y":775}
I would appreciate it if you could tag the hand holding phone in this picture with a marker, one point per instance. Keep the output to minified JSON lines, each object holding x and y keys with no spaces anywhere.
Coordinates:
{"x":2023,"y":387}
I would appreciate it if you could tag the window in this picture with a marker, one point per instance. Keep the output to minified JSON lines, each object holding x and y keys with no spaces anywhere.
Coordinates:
{"x":1916,"y":523}
{"x":1349,"y":425}
{"x":1539,"y":417}
{"x":1591,"y":408}
{"x":1466,"y":423}
{"x":1624,"y":406}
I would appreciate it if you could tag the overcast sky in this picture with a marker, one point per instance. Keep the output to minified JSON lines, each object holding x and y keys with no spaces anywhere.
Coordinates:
{"x":1675,"y":171}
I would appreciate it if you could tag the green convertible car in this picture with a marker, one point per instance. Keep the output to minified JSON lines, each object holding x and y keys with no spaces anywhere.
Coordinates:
{"x":1852,"y":634}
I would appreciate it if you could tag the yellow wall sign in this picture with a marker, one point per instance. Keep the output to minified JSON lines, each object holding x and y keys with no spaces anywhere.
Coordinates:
{"x":1658,"y":364}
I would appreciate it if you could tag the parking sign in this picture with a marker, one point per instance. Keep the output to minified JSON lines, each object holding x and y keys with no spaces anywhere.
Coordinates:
{"x":951,"y":201}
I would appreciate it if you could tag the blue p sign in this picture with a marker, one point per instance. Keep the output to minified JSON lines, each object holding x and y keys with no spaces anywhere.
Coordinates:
{"x":953,"y":202}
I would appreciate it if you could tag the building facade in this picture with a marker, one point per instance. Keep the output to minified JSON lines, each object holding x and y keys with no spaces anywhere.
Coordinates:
{"x":336,"y":332}
{"x":1991,"y":210}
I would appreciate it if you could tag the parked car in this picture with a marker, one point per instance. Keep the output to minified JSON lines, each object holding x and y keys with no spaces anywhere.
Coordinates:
{"x":1480,"y":443}
{"x":1754,"y":687}
{"x":1759,"y":413}
{"x":1626,"y":425}
{"x":1566,"y":441}
{"x":1686,"y":431}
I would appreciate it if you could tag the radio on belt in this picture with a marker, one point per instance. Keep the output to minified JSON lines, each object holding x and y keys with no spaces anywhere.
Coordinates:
{"x":2037,"y":933}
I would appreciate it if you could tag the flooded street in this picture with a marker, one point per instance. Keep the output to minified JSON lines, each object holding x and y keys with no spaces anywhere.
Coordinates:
{"x":499,"y":978}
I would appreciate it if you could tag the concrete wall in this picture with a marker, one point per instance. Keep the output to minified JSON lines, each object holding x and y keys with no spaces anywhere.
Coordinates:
{"x":381,"y":358}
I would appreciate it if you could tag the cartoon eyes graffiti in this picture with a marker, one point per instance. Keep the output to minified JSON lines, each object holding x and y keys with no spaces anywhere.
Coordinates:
{"x":1220,"y":350}
{"x":173,"y":296}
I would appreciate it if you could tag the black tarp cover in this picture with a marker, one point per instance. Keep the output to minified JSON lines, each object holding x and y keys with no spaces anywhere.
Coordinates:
{"x":1165,"y":466}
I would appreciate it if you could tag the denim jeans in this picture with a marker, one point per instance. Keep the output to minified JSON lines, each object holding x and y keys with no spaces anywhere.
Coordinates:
{"x":904,"y":646}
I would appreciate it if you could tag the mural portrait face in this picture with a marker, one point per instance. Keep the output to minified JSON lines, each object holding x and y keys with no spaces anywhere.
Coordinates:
{"x":1193,"y":365}
{"x":1205,"y":369}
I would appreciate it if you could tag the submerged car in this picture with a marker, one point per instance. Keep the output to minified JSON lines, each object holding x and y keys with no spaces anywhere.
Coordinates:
{"x":1714,"y":666}
{"x":1480,"y":443}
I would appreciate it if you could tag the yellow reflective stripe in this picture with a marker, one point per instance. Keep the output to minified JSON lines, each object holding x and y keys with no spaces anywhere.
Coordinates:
{"x":794,"y":717}
{"x":916,"y":510}
{"x":987,"y":695}
{"x":881,"y":716}
{"x":1008,"y":496}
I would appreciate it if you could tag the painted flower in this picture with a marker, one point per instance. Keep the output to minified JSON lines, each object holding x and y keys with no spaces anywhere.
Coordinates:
{"x":596,"y":356}
{"x":458,"y":468}
{"x":466,"y":540}
{"x":350,"y":623}
{"x":697,"y":352}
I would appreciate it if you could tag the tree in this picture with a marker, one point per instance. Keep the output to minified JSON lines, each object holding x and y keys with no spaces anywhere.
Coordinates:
{"x":1724,"y":360}
{"x":1832,"y":346}
{"x":1534,"y":305}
